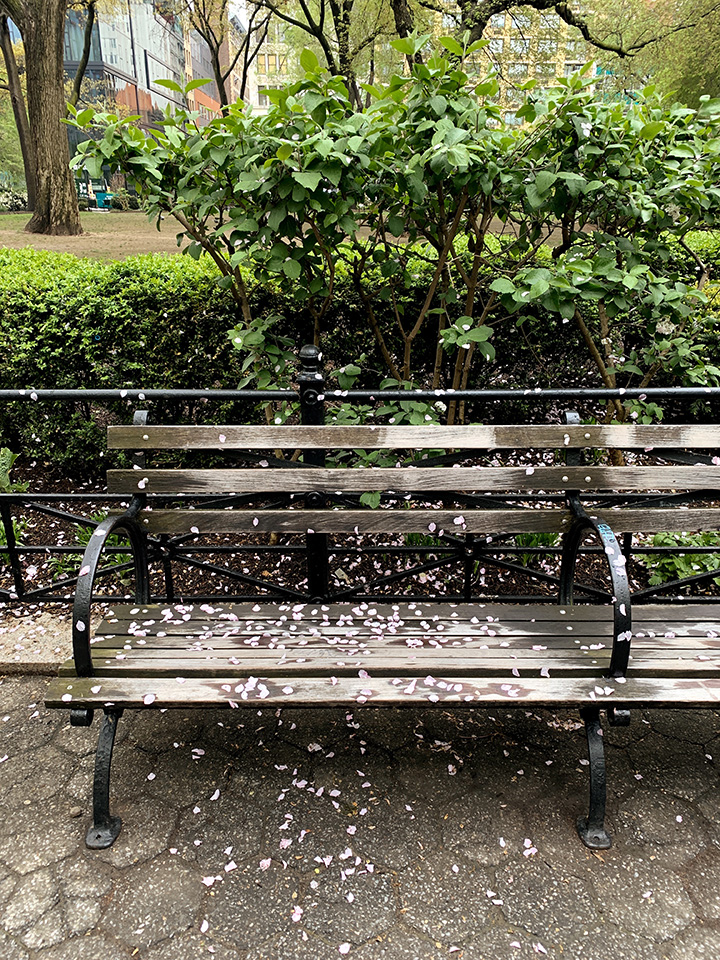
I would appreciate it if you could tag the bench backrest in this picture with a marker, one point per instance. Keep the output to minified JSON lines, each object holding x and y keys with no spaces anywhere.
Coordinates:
{"x":469,"y":483}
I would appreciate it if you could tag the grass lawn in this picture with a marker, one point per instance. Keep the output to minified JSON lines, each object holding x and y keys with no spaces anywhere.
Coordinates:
{"x":108,"y":236}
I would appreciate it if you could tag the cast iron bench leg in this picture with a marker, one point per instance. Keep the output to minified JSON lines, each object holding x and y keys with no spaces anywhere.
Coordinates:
{"x":592,"y":828}
{"x":105,"y":828}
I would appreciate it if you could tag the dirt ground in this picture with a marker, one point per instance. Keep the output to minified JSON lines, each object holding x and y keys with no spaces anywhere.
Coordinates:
{"x":111,"y":235}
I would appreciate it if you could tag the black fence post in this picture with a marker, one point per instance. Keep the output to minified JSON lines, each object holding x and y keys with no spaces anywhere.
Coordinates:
{"x":312,"y":413}
{"x":13,"y":557}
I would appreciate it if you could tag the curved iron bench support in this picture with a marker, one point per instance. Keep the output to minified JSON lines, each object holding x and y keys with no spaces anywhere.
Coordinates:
{"x":88,"y":572}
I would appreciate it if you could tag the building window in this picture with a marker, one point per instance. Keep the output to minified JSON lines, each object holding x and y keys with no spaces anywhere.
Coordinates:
{"x":496,"y":45}
{"x":547,"y":48}
{"x":497,"y":21}
{"x":518,"y":71}
{"x":263,"y":98}
{"x":571,"y":68}
{"x":550,"y":22}
{"x":575,"y":50}
{"x":521,"y":21}
{"x":519,"y":46}
{"x":545,"y":69}
{"x":512,"y":119}
{"x":261,"y":63}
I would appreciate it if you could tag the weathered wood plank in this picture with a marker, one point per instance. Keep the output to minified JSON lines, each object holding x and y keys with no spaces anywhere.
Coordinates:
{"x":391,"y":633}
{"x":470,"y":437}
{"x":484,"y":522}
{"x":589,"y":647}
{"x":380,"y":691}
{"x":494,"y":522}
{"x":510,"y":669}
{"x":505,"y":613}
{"x":411,"y":480}
{"x":395,"y":653}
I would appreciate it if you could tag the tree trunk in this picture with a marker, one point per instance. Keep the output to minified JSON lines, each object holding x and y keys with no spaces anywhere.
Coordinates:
{"x":475,"y":15}
{"x":56,"y":205}
{"x":19,"y":110}
{"x":342,"y":32}
{"x":218,"y":75}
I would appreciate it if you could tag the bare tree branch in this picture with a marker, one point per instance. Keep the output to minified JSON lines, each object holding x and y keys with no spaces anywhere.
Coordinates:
{"x":574,"y":20}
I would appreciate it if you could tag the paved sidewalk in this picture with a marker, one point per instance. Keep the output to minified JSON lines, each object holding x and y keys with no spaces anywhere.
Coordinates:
{"x":383,"y":834}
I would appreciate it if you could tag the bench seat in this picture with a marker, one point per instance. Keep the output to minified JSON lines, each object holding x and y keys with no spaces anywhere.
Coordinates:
{"x":174,"y":655}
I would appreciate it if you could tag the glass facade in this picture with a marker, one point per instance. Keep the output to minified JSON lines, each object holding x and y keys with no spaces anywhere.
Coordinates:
{"x":139,"y":44}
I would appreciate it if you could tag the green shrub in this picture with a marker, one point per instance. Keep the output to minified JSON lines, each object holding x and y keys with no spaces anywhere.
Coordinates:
{"x":7,"y":459}
{"x":65,"y":564}
{"x":150,"y":321}
{"x":162,"y":321}
{"x":664,"y":567}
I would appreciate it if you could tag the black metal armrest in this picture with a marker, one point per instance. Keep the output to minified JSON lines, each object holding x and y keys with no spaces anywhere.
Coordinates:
{"x":88,"y":571}
{"x":622,"y":607}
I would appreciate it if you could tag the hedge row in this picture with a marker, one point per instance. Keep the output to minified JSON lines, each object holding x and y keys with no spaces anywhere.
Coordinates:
{"x":162,"y":321}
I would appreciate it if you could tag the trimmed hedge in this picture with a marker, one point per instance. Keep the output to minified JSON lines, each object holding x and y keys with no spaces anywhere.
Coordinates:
{"x":153,"y":321}
{"x":162,"y":321}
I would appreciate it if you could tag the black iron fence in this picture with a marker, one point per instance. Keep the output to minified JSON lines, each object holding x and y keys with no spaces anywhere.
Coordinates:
{"x":450,"y":567}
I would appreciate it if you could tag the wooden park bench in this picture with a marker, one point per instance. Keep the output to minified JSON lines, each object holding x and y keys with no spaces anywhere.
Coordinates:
{"x":323,"y":649}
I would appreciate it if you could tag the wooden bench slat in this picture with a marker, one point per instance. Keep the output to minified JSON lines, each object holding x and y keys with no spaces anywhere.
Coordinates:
{"x":308,"y":634}
{"x":428,"y":666}
{"x":179,"y":522}
{"x":514,"y":647}
{"x":381,"y":691}
{"x":503,"y":613}
{"x":381,"y":437}
{"x":329,"y":480}
{"x":493,"y":522}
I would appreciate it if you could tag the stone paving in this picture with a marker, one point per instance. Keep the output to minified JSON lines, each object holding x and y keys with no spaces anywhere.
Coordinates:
{"x":378,"y":834}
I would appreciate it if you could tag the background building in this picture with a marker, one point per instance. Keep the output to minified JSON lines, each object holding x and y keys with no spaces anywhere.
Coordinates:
{"x":130,"y":52}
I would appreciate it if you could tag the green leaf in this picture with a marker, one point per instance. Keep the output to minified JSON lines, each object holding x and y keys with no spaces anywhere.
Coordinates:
{"x":284,"y":151}
{"x":94,"y":166}
{"x":371,"y":499}
{"x":502,"y":285}
{"x":276,"y":217}
{"x":396,"y":225}
{"x":652,"y":129}
{"x":438,"y":105}
{"x":480,"y":334}
{"x":170,"y":85}
{"x":709,"y":107}
{"x":544,"y":180}
{"x":451,"y":44}
{"x":246,"y":225}
{"x":308,"y":178}
{"x":409,"y":46}
{"x":538,"y":289}
{"x":477,"y":45}
{"x":218,"y":156}
{"x":292,"y":269}
{"x":404,"y":45}
{"x":194,"y":84}
{"x":308,"y":61}
{"x":535,"y":198}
